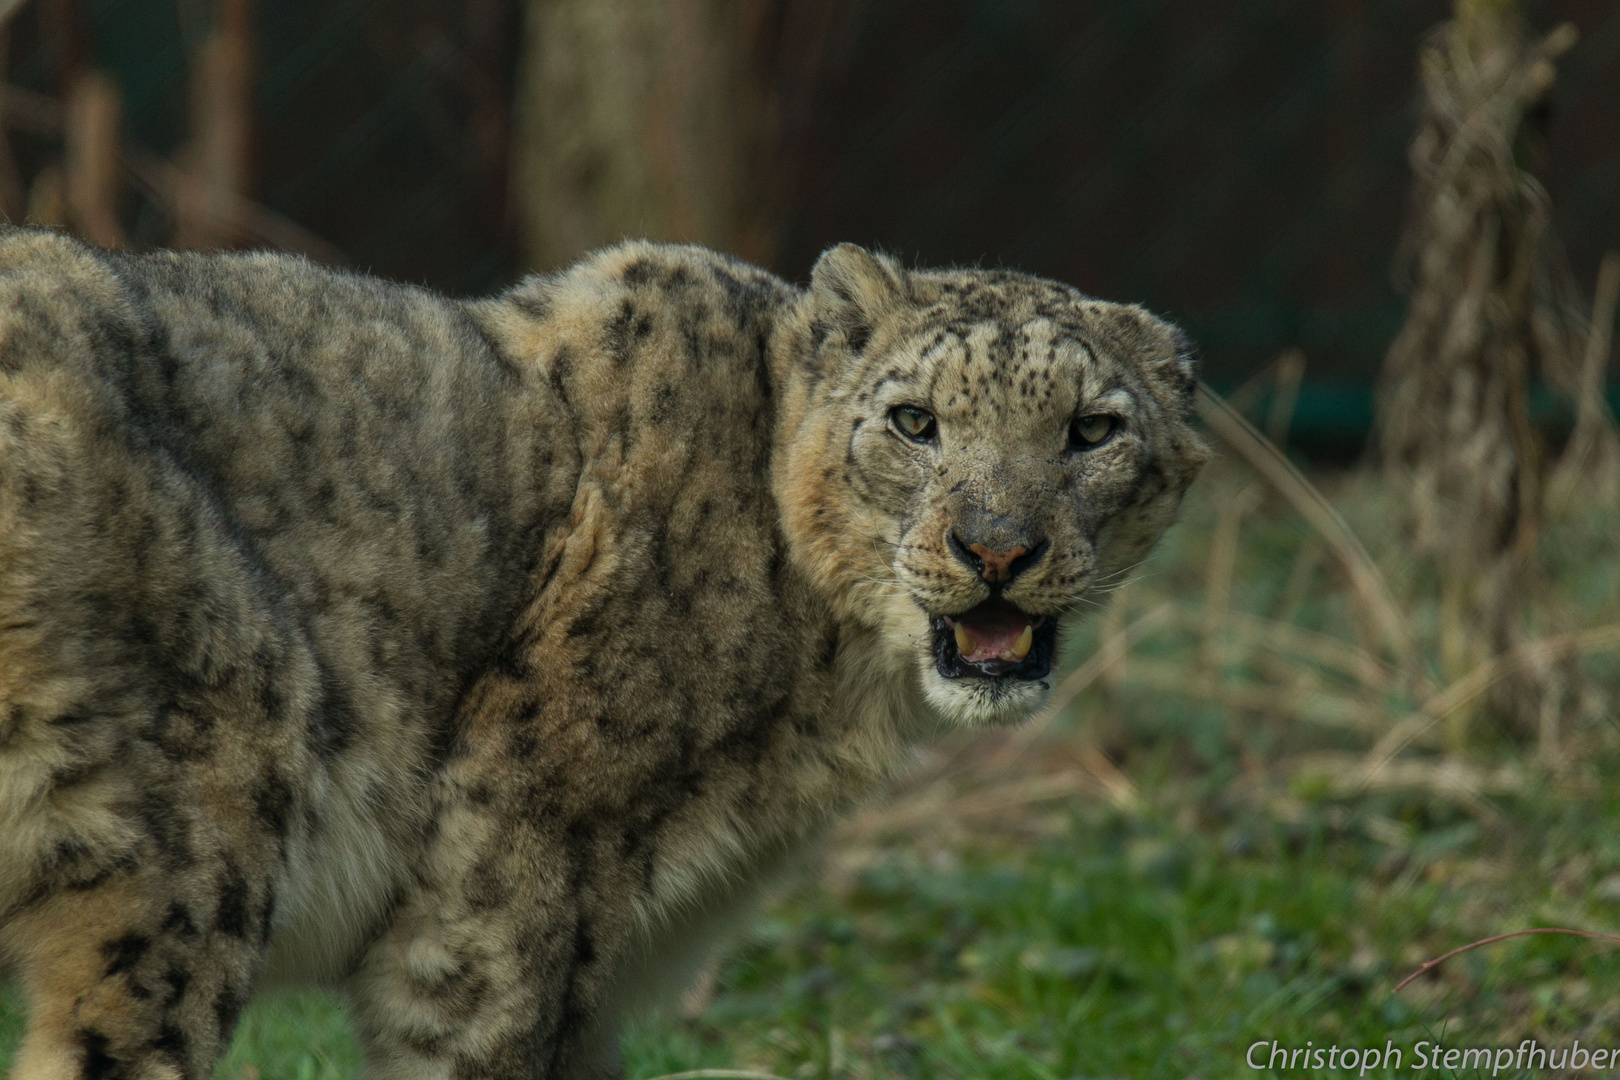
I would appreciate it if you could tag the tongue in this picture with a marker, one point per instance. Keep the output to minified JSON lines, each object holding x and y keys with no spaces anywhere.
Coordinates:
{"x":994,"y":630}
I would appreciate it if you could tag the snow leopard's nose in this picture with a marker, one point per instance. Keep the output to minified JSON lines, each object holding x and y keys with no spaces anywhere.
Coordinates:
{"x":998,"y":555}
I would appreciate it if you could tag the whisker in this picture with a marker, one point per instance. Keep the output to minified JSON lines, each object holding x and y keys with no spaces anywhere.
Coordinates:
{"x":1116,"y":586}
{"x":893,"y":583}
{"x":1120,"y":572}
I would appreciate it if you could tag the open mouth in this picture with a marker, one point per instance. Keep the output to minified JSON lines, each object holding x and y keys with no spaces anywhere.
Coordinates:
{"x":992,"y":641}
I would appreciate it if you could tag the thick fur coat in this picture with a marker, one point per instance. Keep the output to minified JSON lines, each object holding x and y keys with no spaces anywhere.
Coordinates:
{"x":481,"y":659}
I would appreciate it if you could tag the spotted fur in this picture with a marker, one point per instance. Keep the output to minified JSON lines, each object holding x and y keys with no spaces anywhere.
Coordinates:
{"x":480,"y":660}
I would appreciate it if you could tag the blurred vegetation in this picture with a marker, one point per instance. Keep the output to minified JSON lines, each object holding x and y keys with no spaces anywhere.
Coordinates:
{"x":1239,"y":165}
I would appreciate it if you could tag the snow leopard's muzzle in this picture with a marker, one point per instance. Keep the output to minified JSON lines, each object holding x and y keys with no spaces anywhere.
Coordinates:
{"x":995,"y":638}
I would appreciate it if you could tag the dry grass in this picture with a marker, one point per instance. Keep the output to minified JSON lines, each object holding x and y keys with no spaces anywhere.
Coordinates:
{"x":1492,"y":307}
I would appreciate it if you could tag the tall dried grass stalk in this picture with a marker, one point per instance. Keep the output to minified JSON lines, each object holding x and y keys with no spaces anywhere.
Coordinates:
{"x":92,"y":181}
{"x":1490,"y":307}
{"x":1290,"y":374}
{"x":1223,"y":550}
{"x":1590,"y":466}
{"x":1366,"y":581}
{"x":217,"y":162}
{"x":13,"y":192}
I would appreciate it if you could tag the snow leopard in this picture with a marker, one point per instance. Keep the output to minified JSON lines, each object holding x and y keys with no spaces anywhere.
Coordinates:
{"x":481,"y":660}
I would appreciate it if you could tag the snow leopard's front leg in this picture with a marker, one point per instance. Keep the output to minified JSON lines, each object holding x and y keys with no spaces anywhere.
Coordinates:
{"x":139,"y":975}
{"x":497,"y":958}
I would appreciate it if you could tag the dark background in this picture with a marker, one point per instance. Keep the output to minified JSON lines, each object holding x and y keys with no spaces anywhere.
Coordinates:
{"x":1236,"y":164}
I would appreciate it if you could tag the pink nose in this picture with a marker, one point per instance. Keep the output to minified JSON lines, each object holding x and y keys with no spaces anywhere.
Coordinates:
{"x":997,"y":564}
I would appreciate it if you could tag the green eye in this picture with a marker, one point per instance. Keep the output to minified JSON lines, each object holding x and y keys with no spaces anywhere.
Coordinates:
{"x":1089,"y":431}
{"x":914,"y":423}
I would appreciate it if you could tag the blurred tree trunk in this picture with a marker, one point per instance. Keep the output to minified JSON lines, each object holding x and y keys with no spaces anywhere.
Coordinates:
{"x":217,"y":161}
{"x":638,"y":119}
{"x":90,"y":124}
{"x":89,"y":181}
{"x":1490,"y":308}
{"x":13,"y":193}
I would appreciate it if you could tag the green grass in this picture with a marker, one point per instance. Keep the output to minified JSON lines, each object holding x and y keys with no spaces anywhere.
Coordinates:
{"x":1154,"y":944}
{"x":290,"y":1036}
{"x":1118,"y":947}
{"x":1233,"y":898}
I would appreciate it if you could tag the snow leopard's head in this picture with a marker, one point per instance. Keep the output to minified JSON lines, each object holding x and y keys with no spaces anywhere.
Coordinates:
{"x":976,"y":451}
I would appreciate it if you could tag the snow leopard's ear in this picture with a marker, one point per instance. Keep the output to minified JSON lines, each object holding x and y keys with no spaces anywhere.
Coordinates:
{"x":854,"y":289}
{"x":1185,"y":358}
{"x":1166,"y":352}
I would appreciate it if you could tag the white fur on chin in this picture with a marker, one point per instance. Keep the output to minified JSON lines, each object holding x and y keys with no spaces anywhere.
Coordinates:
{"x":970,"y":702}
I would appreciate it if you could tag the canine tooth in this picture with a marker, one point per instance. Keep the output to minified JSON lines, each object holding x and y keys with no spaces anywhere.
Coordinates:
{"x":1020,"y":647}
{"x":964,"y":641}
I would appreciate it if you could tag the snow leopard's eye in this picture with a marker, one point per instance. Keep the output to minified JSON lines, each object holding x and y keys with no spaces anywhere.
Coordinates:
{"x":1089,"y":431}
{"x":915,"y":424}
